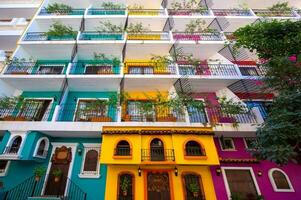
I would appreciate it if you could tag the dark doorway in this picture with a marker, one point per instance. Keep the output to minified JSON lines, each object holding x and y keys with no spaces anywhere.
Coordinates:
{"x":158,"y":186}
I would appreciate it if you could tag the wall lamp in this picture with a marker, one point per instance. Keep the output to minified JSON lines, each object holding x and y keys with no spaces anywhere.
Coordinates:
{"x":218,"y":171}
{"x":79,"y":151}
{"x":259,"y":173}
{"x":176,"y":171}
{"x":139,"y":171}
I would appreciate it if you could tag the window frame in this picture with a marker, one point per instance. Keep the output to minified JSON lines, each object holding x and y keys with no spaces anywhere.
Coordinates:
{"x":246,"y":144}
{"x":97,"y":147}
{"x":2,"y":174}
{"x":46,"y":148}
{"x":202,"y":148}
{"x":13,"y":136}
{"x":232,"y":142}
{"x":239,"y":168}
{"x":272,"y":180}
{"x":123,"y":156}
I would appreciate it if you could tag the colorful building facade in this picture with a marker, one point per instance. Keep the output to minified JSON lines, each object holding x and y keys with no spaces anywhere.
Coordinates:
{"x":96,"y":114}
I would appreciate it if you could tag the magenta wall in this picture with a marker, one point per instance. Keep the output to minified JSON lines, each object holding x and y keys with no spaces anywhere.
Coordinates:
{"x":293,"y":171}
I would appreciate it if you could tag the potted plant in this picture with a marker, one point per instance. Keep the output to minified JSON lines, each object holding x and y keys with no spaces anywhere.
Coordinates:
{"x":194,"y":189}
{"x":58,"y":8}
{"x":124,"y":186}
{"x":57,"y":173}
{"x":39,"y":172}
{"x":59,"y":31}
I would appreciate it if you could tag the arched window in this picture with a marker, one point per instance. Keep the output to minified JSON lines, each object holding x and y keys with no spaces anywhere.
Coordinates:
{"x":15,"y":145}
{"x":280,"y":181}
{"x":193,"y":148}
{"x":157,"y":150}
{"x":42,"y":147}
{"x":125,"y":187}
{"x":123,"y":148}
{"x":91,"y":160}
{"x":193,"y":187}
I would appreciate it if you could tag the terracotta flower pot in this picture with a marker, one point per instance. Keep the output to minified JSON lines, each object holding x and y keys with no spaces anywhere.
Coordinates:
{"x":195,"y":194}
{"x":124,"y":192}
{"x":37,"y":178}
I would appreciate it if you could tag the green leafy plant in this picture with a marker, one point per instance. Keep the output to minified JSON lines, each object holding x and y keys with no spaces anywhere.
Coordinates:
{"x":280,"y":7}
{"x":193,"y":187}
{"x":57,"y":172}
{"x":125,"y":183}
{"x":236,"y":196}
{"x":108,"y":27}
{"x":59,"y":8}
{"x":58,"y":29}
{"x":188,"y":5}
{"x":112,"y":6}
{"x":10,"y":102}
{"x":39,"y":171}
{"x":19,"y":62}
{"x":136,"y":28}
{"x":100,"y":56}
{"x":197,"y":25}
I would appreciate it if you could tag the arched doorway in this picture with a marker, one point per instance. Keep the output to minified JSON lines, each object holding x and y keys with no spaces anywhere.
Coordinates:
{"x":157,"y":150}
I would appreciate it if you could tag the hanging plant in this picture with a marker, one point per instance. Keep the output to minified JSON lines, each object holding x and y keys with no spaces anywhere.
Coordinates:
{"x":58,"y":30}
{"x":39,"y":172}
{"x":57,"y":173}
{"x":108,"y":27}
{"x":137,"y":28}
{"x":124,"y":185}
{"x":194,"y":189}
{"x":112,"y":6}
{"x":58,"y":8}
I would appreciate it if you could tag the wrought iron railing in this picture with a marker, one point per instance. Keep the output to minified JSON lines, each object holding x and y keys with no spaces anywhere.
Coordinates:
{"x":101,"y":11}
{"x":33,"y":186}
{"x":71,"y":112}
{"x":149,"y":36}
{"x":122,"y":151}
{"x":63,"y":12}
{"x":143,"y":68}
{"x":189,"y":12}
{"x":94,"y":68}
{"x":28,"y":112}
{"x":42,"y":36}
{"x":157,"y":154}
{"x":11,"y":150}
{"x":194,"y":151}
{"x":182,"y":36}
{"x":136,"y":113}
{"x":150,"y":12}
{"x":208,"y":69}
{"x":32,"y":68}
{"x":252,"y":70}
{"x":270,"y":13}
{"x":94,"y":35}
{"x":232,"y":12}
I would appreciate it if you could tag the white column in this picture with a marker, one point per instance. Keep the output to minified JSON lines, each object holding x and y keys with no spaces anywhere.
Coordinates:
{"x":56,"y":113}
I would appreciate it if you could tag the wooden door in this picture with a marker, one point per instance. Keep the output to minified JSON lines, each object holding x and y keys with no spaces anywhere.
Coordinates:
{"x":158,"y":187}
{"x":60,"y":160}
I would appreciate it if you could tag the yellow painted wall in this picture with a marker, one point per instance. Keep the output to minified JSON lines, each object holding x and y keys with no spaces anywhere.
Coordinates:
{"x":175,"y":141}
{"x":175,"y":181}
{"x":140,"y":95}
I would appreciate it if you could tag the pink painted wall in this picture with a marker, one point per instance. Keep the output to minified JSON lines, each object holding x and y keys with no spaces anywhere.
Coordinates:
{"x":293,"y":171}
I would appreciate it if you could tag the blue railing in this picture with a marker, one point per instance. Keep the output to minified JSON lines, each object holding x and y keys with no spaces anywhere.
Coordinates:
{"x":92,"y":35}
{"x":101,"y":67}
{"x":63,"y":12}
{"x":101,"y":11}
{"x":42,"y":36}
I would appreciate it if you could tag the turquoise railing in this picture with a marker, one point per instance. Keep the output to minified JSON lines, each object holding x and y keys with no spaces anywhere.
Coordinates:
{"x":90,"y":35}
{"x":95,"y":67}
{"x":101,"y":11}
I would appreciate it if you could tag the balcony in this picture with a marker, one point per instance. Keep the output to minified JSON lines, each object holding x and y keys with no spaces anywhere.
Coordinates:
{"x":123,"y":150}
{"x":95,"y":68}
{"x":42,"y":36}
{"x":232,"y":12}
{"x":252,"y":70}
{"x":101,"y":11}
{"x":149,"y":68}
{"x":33,"y":111}
{"x":194,"y":151}
{"x":138,"y":111}
{"x":156,"y":36}
{"x":269,"y":13}
{"x":44,"y":12}
{"x":157,"y":155}
{"x":189,"y":12}
{"x":37,"y":68}
{"x":182,"y":36}
{"x":80,"y":113}
{"x":210,"y":70}
{"x":90,"y":35}
{"x":146,"y":12}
